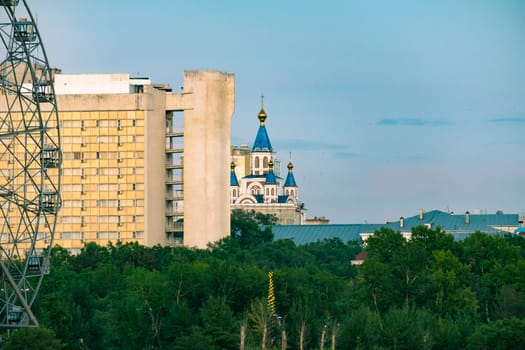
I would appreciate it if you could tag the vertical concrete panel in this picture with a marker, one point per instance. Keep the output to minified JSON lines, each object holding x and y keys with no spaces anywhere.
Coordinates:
{"x":207,"y":157}
{"x":154,"y":167}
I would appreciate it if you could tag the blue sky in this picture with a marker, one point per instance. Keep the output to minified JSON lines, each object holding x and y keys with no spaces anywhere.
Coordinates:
{"x":387,"y":107}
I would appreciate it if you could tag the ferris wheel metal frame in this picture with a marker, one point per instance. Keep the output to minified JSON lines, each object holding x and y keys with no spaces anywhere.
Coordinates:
{"x":30,"y":164}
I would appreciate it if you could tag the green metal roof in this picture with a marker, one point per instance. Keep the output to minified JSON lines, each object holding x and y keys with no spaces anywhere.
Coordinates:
{"x":453,"y":224}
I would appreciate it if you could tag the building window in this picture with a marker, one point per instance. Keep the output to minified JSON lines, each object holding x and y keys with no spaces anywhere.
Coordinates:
{"x":72,"y":235}
{"x":273,"y":191}
{"x":234,"y":192}
{"x":256,"y":162}
{"x":265,"y":162}
{"x":108,"y":235}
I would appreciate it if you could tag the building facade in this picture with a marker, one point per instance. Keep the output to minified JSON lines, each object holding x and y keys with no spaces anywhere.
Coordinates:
{"x":137,"y":159}
{"x":256,"y":184}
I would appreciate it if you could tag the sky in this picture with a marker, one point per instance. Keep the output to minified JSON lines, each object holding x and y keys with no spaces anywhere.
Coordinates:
{"x":386,"y":107}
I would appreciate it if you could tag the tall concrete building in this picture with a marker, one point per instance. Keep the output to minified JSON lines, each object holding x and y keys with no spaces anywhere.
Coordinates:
{"x":134,"y":169}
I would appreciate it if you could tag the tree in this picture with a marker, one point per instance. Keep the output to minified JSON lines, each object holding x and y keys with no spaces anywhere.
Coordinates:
{"x":329,"y":253}
{"x":489,"y":258}
{"x":407,"y":328}
{"x":384,"y":244}
{"x":498,"y":335}
{"x":90,"y":257}
{"x":39,"y":338}
{"x":247,"y":227}
{"x":139,"y":310}
{"x":377,"y":286}
{"x":261,"y":321}
{"x":452,"y":293}
{"x":360,"y":329}
{"x":377,"y":278}
{"x":219,"y":324}
{"x":431,"y":239}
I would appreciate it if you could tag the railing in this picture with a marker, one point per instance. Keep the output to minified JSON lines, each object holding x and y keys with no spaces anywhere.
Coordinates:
{"x":175,"y":227}
{"x":175,"y":133}
{"x":174,"y":182}
{"x":174,"y":166}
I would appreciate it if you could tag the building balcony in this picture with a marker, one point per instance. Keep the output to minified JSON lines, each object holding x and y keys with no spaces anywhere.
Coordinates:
{"x":175,"y":227}
{"x":175,"y":134}
{"x":174,"y":182}
{"x":175,"y":241}
{"x":177,"y":197}
{"x":174,"y":166}
{"x":174,"y":212}
{"x":174,"y":150}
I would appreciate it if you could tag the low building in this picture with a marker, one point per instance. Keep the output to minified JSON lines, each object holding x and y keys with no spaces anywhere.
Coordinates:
{"x":460,"y":226}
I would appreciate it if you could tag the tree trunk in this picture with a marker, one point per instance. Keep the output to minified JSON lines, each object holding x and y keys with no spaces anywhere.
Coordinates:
{"x":302,"y":331}
{"x":323,"y":334}
{"x":243,"y":336}
{"x":283,"y":340}
{"x":335,"y":329}
{"x":264,"y":336}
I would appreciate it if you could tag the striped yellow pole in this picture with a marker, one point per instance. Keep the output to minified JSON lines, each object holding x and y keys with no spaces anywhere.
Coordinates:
{"x":271,"y":296}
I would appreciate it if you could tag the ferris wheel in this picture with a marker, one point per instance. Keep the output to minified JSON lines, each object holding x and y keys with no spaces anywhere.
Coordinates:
{"x":30,"y":163}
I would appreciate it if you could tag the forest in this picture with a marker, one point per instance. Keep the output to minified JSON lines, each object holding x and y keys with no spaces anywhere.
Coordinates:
{"x":429,"y":292}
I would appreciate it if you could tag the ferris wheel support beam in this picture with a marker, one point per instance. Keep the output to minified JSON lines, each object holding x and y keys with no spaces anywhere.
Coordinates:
{"x":19,"y":295}
{"x":30,"y":164}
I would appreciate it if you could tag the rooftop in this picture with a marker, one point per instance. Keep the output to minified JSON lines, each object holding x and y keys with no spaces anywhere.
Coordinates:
{"x":457,"y":225}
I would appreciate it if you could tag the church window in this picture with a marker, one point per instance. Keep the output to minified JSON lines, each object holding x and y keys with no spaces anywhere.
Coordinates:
{"x":256,"y":162}
{"x":265,"y":162}
{"x":235,"y":193}
{"x":273,"y":191}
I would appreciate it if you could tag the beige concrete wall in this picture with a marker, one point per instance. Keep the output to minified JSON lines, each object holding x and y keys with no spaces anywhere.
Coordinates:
{"x":286,"y":214}
{"x":207,"y":157}
{"x":155,"y":168}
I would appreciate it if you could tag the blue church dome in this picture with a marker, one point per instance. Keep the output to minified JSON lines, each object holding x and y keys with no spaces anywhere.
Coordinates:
{"x":233,"y":176}
{"x":262,"y":141}
{"x":290,"y":179}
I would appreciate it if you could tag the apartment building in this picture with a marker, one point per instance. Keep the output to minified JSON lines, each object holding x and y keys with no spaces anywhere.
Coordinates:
{"x":142,"y":163}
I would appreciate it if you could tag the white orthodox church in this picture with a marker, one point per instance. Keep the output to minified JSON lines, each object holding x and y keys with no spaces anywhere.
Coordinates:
{"x":255,"y":182}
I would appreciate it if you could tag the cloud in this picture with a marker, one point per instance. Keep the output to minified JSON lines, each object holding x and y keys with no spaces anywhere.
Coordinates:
{"x":412,"y":122}
{"x":508,"y":120}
